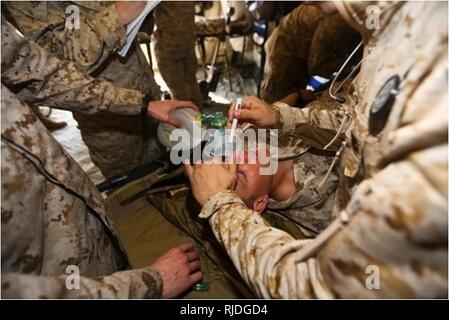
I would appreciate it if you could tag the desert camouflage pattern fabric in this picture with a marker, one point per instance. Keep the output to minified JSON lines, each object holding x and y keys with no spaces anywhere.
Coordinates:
{"x":320,"y":124}
{"x":116,"y":143}
{"x":174,"y":41}
{"x":391,"y":204}
{"x":315,"y":171}
{"x":41,"y":78}
{"x":45,"y":228}
{"x":305,"y":43}
{"x":311,"y":205}
{"x":305,"y":137}
{"x":46,"y":231}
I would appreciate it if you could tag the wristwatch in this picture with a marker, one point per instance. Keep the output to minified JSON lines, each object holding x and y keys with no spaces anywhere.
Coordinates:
{"x":146,"y":99}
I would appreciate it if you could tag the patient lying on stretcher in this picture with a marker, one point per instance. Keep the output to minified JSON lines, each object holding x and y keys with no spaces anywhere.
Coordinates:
{"x":301,"y":188}
{"x":290,"y":199}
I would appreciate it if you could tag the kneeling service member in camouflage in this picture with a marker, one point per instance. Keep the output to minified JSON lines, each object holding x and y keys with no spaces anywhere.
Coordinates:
{"x":389,"y":239}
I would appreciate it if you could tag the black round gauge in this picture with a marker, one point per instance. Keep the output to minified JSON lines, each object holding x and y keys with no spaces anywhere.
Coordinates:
{"x":381,"y":107}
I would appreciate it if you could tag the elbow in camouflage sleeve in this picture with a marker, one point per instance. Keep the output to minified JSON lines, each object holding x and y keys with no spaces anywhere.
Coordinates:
{"x":58,"y":83}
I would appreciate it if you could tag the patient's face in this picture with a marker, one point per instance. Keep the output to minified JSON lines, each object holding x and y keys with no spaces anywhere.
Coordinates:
{"x":250,"y":183}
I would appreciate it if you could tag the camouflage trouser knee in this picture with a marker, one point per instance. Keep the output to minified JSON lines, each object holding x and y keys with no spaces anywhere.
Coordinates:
{"x":117,"y":143}
{"x":287,"y":50}
{"x":304,"y":44}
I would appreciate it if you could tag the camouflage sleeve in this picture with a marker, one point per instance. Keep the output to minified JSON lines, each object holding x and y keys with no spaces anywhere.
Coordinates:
{"x":138,"y":284}
{"x":60,"y":84}
{"x":89,"y":45}
{"x":263,"y":255}
{"x":395,"y":243}
{"x":317,"y":124}
{"x":394,"y":246}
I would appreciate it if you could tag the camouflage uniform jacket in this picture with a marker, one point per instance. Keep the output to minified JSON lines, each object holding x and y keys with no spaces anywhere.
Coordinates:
{"x":311,"y":137}
{"x":92,"y":46}
{"x":391,"y":236}
{"x":311,"y":205}
{"x":53,"y":217}
{"x":116,"y":143}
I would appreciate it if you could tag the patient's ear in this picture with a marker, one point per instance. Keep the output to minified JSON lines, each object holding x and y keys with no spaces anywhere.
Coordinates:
{"x":260,"y":203}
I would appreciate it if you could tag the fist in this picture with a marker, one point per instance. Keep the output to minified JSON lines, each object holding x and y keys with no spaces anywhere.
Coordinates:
{"x":254,"y":111}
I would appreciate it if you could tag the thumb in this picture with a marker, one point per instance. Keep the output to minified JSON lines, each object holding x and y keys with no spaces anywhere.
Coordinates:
{"x":230,"y":116}
{"x":189,"y":169}
{"x":232,"y":168}
{"x":174,"y":122}
{"x":246,"y":114}
{"x":180,"y":104}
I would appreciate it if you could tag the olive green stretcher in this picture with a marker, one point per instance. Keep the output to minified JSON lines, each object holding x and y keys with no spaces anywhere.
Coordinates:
{"x":157,"y":212}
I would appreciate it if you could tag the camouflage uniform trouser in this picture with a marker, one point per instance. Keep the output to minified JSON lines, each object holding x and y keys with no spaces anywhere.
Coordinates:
{"x":180,"y":76}
{"x":305,"y":43}
{"x":174,"y":40}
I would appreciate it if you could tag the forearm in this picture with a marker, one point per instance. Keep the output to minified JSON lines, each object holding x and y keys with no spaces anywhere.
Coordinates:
{"x":290,"y":99}
{"x":317,"y":124}
{"x":61,"y":84}
{"x":263,"y":255}
{"x":82,"y":93}
{"x":139,"y":284}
